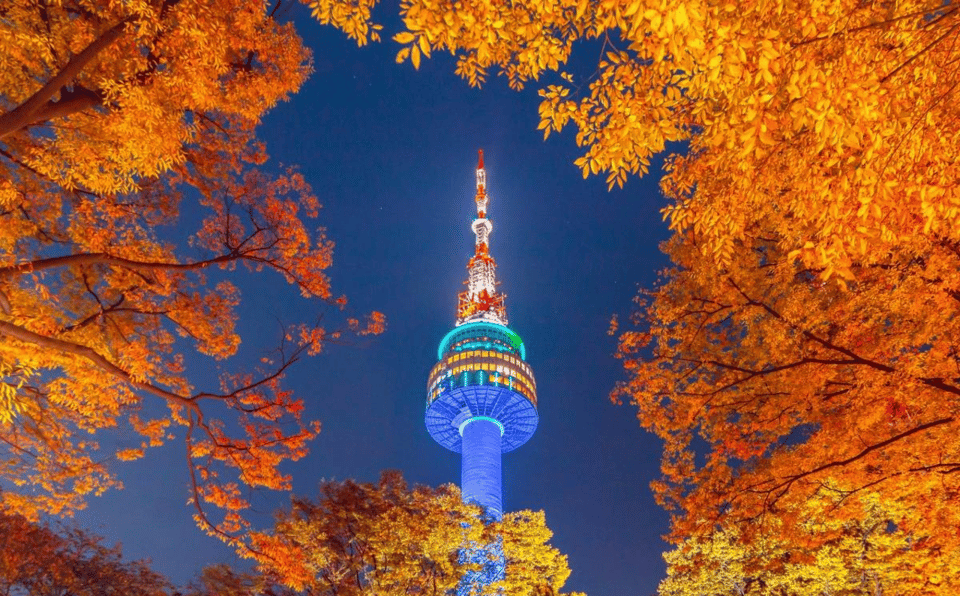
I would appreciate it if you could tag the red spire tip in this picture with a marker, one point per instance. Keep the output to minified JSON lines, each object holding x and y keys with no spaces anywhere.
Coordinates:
{"x":480,"y":163}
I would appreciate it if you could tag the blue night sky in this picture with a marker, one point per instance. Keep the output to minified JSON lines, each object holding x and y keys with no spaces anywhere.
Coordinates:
{"x":391,"y":153}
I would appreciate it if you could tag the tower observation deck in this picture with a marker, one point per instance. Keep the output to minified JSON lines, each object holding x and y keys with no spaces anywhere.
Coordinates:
{"x":481,"y":394}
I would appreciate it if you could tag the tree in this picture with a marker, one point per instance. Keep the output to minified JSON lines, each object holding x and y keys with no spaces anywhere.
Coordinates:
{"x":35,"y":560}
{"x":869,"y":557}
{"x":804,"y":345}
{"x":116,"y":118}
{"x":837,"y":112}
{"x":773,"y":388}
{"x":94,"y":94}
{"x":98,"y":96}
{"x":388,"y":538}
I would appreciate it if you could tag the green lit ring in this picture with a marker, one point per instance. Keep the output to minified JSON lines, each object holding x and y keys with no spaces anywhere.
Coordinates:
{"x":507,"y":331}
{"x":464,"y":424}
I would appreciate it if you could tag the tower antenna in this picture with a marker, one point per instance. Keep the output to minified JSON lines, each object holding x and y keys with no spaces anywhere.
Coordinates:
{"x":481,"y":301}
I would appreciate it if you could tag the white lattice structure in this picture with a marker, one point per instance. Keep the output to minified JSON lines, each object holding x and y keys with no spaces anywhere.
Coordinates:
{"x":481,"y":302}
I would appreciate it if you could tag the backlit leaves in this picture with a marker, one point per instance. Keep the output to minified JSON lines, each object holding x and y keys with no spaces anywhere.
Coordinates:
{"x":775,"y":390}
{"x":36,"y":560}
{"x":130,"y":195}
{"x":836,"y":112}
{"x":95,"y":103}
{"x":353,"y":17}
{"x":388,"y":538}
{"x":866,"y":557}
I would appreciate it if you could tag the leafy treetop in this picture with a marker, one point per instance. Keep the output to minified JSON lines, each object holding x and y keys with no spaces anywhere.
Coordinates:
{"x":828,"y":122}
{"x":389,"y":538}
{"x":40,"y":561}
{"x":115,"y":119}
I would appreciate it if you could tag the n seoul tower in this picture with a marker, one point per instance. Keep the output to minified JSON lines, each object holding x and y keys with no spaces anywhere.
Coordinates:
{"x":481,"y":395}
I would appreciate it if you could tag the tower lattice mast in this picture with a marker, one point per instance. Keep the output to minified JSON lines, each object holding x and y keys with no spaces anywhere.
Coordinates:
{"x":481,"y":301}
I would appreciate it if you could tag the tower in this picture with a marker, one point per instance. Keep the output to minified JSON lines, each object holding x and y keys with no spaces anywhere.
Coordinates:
{"x":481,"y":394}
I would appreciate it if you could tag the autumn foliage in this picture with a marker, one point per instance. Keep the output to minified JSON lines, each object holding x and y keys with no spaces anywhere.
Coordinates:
{"x":862,"y":557}
{"x":41,"y":560}
{"x":389,"y":538}
{"x":837,"y":112}
{"x":132,"y":187}
{"x":800,"y":360}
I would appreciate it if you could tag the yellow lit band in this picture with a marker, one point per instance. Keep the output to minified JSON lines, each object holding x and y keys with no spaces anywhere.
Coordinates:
{"x":500,"y":368}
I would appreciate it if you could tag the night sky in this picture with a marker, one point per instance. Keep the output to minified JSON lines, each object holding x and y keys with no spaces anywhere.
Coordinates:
{"x":391,"y":153}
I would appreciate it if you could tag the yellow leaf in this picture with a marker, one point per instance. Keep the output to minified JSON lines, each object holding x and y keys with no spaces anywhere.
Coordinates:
{"x":680,"y":17}
{"x":403,"y":37}
{"x":581,"y":7}
{"x":655,"y":19}
{"x":415,"y":57}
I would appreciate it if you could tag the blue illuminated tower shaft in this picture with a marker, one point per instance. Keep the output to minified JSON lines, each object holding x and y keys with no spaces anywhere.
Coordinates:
{"x":480,"y":472}
{"x":480,"y":481}
{"x":481,"y":394}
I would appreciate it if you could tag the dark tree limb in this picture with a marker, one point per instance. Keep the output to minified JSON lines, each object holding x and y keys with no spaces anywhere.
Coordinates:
{"x":40,"y":105}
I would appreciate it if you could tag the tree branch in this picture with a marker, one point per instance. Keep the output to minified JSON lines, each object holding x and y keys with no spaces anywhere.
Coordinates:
{"x":28,"y":112}
{"x":101,"y":258}
{"x":937,"y":383}
{"x":16,"y":332}
{"x":867,"y":450}
{"x":910,"y":60}
{"x":876,"y":24}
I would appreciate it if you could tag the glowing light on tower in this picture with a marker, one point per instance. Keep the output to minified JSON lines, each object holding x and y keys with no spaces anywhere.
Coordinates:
{"x":481,"y":395}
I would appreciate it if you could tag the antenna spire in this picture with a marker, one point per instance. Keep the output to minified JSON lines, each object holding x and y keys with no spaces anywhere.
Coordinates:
{"x":481,"y":302}
{"x":481,"y":197}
